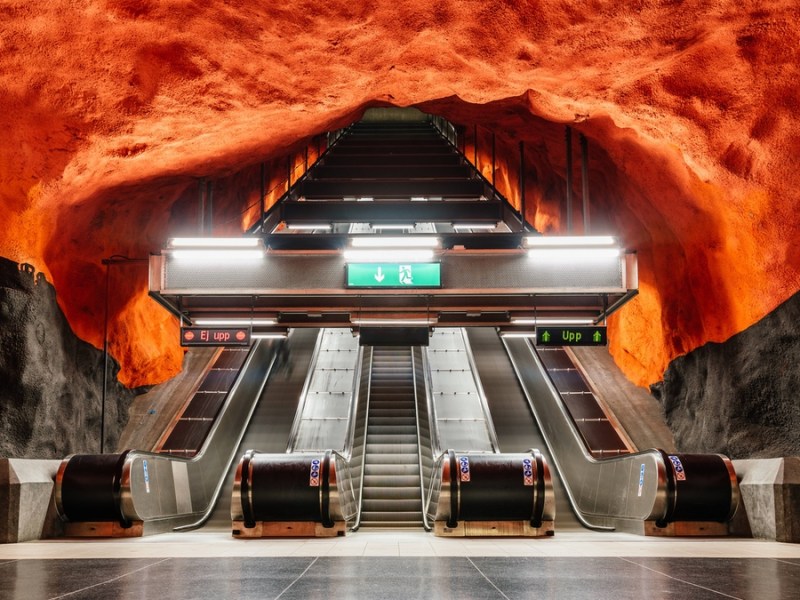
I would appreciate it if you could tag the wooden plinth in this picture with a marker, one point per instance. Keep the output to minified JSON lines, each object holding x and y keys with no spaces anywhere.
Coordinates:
{"x":686,"y":529}
{"x":288,"y":529}
{"x":110,"y":529}
{"x":493,"y":529}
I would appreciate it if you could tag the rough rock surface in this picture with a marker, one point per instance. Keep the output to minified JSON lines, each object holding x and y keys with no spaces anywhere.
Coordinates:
{"x":112,"y":110}
{"x":741,"y":397}
{"x":51,"y":382}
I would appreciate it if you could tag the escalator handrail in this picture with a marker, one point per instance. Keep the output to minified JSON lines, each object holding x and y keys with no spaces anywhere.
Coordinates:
{"x":357,"y":522}
{"x":425,"y":523}
{"x":347,"y":451}
{"x":436,"y":448}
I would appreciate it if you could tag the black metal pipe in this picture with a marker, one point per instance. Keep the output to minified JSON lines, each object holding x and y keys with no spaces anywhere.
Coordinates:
{"x":585,"y":182}
{"x":522,"y":186}
{"x":209,"y":208}
{"x":201,"y":206}
{"x":263,"y":193}
{"x":475,"y":149}
{"x":105,"y":362}
{"x":568,"y":134}
{"x":494,"y":164}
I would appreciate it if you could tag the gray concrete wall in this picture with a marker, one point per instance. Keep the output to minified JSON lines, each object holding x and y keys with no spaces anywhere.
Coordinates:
{"x":770,"y":498}
{"x":27,"y":508}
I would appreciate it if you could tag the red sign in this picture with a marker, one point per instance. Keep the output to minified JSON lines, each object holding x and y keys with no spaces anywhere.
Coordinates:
{"x":215,"y":336}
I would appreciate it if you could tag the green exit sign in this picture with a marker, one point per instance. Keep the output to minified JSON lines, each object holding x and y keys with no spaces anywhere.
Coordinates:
{"x":394,"y":275}
{"x":571,"y":336}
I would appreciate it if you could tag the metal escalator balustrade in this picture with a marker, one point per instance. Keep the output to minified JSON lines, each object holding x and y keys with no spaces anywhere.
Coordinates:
{"x":138,"y":493}
{"x":391,"y":494}
{"x":645,"y":492}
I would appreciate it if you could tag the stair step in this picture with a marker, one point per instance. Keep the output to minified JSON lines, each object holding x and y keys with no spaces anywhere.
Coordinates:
{"x":392,"y":437}
{"x":378,"y":481}
{"x":392,"y":493}
{"x":391,"y":505}
{"x":389,"y":519}
{"x":392,"y":459}
{"x":391,"y":469}
{"x":402,"y":449}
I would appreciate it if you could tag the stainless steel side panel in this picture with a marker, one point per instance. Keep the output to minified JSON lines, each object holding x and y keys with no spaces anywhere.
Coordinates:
{"x":628,"y":487}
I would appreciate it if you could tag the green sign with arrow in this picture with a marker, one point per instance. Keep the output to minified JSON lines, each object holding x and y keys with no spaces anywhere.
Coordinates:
{"x":571,"y":336}
{"x":394,"y":275}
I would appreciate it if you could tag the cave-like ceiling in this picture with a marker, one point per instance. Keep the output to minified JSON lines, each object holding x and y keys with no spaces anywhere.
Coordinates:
{"x":112,"y":111}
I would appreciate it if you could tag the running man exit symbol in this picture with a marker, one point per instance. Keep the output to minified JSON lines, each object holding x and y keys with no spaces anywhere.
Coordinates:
{"x":405,"y":275}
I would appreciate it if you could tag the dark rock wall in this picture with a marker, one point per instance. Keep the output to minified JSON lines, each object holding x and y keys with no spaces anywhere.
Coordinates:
{"x":740,"y":397}
{"x":51,"y":382}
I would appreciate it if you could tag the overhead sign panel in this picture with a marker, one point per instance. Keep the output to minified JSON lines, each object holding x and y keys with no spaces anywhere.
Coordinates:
{"x":215,"y":336}
{"x":571,"y":336}
{"x":394,"y":275}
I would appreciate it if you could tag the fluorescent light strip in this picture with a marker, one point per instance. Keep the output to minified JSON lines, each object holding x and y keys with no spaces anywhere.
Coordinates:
{"x":210,"y":242}
{"x":309,"y":227}
{"x":574,"y":254}
{"x":569,"y":240}
{"x":552,"y":321}
{"x":233,"y":322}
{"x":368,"y":322}
{"x":398,"y":255}
{"x":517,"y":334}
{"x":479,"y":226}
{"x":408,"y":241}
{"x":380,"y":226}
{"x":220,"y":255}
{"x":269,"y":336}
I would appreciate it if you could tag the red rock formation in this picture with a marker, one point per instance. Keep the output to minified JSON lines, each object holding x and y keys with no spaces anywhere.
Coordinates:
{"x":113,"y":109}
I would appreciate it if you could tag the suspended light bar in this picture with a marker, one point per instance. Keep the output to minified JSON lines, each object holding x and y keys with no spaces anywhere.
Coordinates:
{"x":409,"y":241}
{"x":568,"y":241}
{"x":269,"y":336}
{"x":399,"y":322}
{"x":388,"y":255}
{"x":552,"y":321}
{"x":216,"y":250}
{"x":574,"y":254}
{"x":308,"y":226}
{"x":211,"y":242}
{"x":477,"y":226}
{"x":233,"y":322}
{"x":517,"y":334}
{"x":394,"y":226}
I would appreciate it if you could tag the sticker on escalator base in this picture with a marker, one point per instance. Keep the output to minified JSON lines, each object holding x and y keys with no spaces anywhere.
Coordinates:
{"x":463,"y":466}
{"x":314,"y":477}
{"x":680,"y":474}
{"x":146,"y":477}
{"x":641,"y":480}
{"x":527,"y":471}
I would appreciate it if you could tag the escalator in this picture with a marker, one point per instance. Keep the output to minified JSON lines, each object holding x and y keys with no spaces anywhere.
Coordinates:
{"x":609,"y":485}
{"x":514,"y":423}
{"x":391,"y":495}
{"x":271,"y":423}
{"x":138,"y":492}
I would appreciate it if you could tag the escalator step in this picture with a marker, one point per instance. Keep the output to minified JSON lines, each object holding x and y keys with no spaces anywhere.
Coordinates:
{"x":378,"y":481}
{"x":391,"y":469}
{"x":393,"y":493}
{"x":398,"y":505}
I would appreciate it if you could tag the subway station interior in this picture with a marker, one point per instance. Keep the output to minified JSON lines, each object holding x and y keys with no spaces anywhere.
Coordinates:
{"x":476,"y":301}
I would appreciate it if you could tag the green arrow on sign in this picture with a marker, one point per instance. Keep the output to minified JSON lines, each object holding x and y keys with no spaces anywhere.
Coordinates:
{"x":597,"y":337}
{"x":546,"y":336}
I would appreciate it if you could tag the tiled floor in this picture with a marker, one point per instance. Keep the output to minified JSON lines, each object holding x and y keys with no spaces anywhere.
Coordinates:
{"x":403,"y":565}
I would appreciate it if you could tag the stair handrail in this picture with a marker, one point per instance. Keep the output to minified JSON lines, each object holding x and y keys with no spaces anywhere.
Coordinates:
{"x":425,"y":523}
{"x":257,"y":228}
{"x":441,"y":126}
{"x":357,"y":523}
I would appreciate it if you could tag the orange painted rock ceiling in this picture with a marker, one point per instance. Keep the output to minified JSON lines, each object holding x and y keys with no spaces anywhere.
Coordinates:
{"x":110,"y":112}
